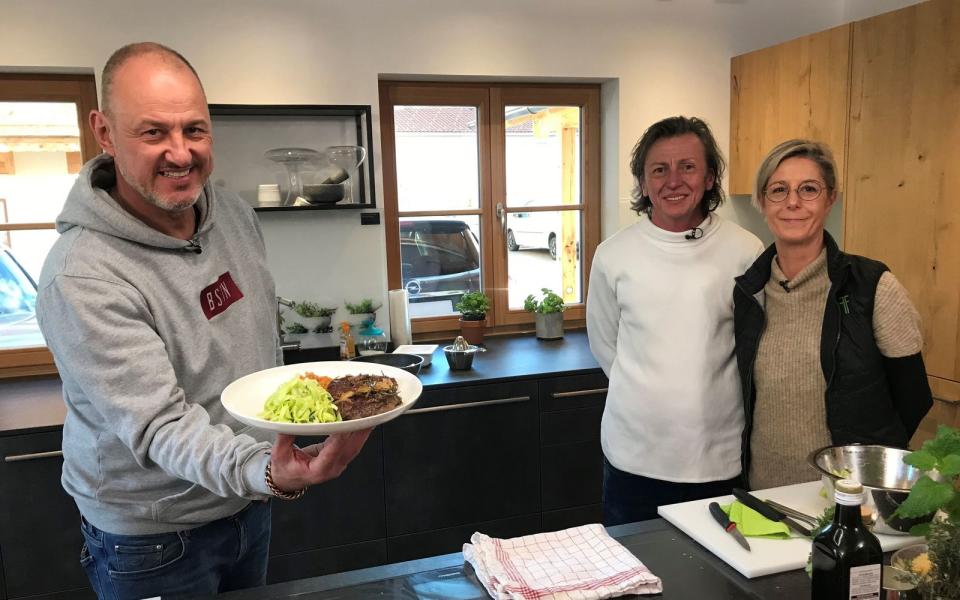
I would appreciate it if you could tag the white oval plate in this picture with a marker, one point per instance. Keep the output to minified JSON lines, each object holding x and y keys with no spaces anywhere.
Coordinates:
{"x":245,"y":397}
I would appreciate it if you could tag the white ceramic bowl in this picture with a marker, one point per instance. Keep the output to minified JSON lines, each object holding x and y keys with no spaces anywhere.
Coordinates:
{"x":424,"y":350}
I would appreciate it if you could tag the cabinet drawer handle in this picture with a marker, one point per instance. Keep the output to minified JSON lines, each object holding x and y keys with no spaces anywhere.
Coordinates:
{"x":414,"y":411}
{"x":34,"y":456}
{"x":579,"y":393}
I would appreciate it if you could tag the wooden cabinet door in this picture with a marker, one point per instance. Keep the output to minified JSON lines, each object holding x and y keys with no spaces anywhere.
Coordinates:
{"x":797,"y":89}
{"x":902,"y":203}
{"x":40,"y":536}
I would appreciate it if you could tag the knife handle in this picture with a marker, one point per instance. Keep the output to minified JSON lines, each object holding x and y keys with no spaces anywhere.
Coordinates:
{"x":719,"y":516}
{"x":757,"y":504}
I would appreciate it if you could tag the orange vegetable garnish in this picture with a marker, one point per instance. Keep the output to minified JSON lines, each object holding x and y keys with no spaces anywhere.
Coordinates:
{"x":322,"y":381}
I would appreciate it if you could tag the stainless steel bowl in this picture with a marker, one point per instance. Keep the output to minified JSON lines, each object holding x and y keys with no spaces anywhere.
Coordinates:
{"x":886,"y":481}
{"x":460,"y":359}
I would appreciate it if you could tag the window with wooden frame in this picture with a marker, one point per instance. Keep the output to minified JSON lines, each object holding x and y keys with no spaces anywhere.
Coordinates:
{"x":491,"y":187}
{"x":44,"y":140}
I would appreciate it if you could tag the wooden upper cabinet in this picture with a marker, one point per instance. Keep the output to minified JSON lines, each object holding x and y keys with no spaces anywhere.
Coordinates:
{"x":902,"y":204}
{"x":798,"y":89}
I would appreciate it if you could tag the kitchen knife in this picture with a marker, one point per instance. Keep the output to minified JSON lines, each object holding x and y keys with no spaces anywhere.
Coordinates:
{"x":729,"y":526}
{"x":768,"y":511}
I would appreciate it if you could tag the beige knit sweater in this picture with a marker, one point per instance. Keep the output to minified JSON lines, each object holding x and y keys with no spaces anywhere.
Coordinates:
{"x":789,"y":418}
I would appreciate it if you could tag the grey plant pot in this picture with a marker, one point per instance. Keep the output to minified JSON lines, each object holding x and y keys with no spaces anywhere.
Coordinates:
{"x":549,"y":326}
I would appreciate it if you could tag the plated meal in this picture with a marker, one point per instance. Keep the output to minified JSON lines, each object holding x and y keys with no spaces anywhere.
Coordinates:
{"x":321,"y":398}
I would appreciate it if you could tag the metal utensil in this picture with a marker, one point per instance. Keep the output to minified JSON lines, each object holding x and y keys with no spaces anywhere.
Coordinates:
{"x":768,"y":511}
{"x":729,"y":526}
{"x":796,"y":514}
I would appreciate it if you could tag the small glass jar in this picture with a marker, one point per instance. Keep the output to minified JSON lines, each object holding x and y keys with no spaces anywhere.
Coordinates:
{"x":371,"y":340}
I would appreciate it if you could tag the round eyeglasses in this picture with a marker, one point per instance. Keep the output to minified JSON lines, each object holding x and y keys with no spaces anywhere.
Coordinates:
{"x":808,"y":191}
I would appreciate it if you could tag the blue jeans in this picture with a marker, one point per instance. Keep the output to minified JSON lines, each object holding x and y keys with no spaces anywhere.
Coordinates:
{"x":628,"y":497}
{"x":228,"y":554}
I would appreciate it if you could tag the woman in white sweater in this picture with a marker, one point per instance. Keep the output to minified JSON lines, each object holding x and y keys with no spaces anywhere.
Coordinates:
{"x":660,"y":323}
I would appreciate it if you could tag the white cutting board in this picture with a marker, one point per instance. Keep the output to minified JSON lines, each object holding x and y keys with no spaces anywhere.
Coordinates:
{"x":766,"y":556}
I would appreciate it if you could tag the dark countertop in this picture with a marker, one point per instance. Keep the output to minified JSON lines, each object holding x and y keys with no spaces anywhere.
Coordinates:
{"x":687,"y":570}
{"x":32,"y":405}
{"x":521,"y":357}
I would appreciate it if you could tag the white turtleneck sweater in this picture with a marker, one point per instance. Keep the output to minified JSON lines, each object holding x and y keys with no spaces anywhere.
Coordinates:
{"x":660,"y":323}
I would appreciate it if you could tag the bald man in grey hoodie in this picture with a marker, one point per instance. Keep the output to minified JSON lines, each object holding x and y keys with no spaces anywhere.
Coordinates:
{"x":153,"y":299}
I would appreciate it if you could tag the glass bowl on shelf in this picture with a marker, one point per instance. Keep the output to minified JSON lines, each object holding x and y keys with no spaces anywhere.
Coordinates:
{"x":297,"y":162}
{"x":348,"y":158}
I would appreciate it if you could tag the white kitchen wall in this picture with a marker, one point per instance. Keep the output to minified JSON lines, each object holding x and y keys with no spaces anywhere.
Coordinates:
{"x":656,"y":58}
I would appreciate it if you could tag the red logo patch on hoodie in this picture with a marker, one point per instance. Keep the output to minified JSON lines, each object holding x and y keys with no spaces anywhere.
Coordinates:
{"x":219,"y":295}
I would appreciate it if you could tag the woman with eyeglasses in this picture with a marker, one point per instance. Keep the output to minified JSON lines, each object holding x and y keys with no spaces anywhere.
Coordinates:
{"x":828,"y":343}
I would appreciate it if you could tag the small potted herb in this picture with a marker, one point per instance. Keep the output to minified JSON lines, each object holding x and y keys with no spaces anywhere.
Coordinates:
{"x":547,"y":313}
{"x":473,"y":307}
{"x":316,"y":318}
{"x":936,"y":572}
{"x":364,"y":312}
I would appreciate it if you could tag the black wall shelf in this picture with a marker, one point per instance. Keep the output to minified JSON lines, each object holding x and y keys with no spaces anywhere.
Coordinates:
{"x":243,"y":132}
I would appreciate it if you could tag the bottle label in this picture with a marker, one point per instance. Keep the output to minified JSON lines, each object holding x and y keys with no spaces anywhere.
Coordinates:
{"x":865,"y":582}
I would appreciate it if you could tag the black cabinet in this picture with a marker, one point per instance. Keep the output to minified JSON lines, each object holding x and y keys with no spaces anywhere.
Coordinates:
{"x":571,"y":458}
{"x":463,"y":457}
{"x":337,"y":526}
{"x":40,"y":536}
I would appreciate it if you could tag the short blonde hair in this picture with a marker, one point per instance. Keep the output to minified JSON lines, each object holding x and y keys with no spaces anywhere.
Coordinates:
{"x":818,"y":152}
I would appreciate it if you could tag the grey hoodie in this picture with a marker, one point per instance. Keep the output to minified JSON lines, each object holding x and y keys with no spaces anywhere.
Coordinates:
{"x":146,"y":332}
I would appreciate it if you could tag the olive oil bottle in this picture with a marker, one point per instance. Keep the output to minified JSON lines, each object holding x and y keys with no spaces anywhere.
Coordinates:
{"x":847,"y":558}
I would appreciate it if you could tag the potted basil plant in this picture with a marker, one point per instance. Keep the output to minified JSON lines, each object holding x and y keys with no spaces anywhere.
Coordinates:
{"x":473,"y":307}
{"x":547,"y":313}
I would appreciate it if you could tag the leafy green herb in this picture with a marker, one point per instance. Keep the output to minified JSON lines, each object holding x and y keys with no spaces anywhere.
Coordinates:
{"x":939,"y":455}
{"x":309,"y":310}
{"x":473,"y":306}
{"x":549,"y":302}
{"x":294,"y":328}
{"x":926,"y":496}
{"x":943,"y":544}
{"x":363,"y":307}
{"x":938,"y":490}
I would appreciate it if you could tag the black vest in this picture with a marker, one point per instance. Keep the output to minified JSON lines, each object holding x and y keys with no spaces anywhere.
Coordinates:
{"x":859,"y":404}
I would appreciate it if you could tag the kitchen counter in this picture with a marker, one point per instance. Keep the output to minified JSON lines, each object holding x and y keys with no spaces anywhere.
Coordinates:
{"x":33,"y":405}
{"x":686,"y":569}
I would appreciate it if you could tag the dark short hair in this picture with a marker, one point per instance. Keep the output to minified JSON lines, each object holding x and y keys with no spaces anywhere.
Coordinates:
{"x":674,"y":127}
{"x":122,"y":55}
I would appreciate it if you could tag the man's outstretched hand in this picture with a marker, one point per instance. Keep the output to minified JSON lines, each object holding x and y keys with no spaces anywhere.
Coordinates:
{"x":295,"y":468}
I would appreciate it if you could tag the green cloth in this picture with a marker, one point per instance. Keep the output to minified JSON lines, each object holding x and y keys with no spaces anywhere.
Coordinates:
{"x":753,"y":524}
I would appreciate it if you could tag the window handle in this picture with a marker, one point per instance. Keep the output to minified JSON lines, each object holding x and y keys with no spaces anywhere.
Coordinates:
{"x":502,"y":215}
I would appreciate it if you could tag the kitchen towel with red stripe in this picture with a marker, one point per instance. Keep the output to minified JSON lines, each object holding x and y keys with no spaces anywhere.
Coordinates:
{"x":583,"y":562}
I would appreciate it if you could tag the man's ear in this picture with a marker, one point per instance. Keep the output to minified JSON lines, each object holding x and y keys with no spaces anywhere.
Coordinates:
{"x":710,"y":180}
{"x":100,"y":125}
